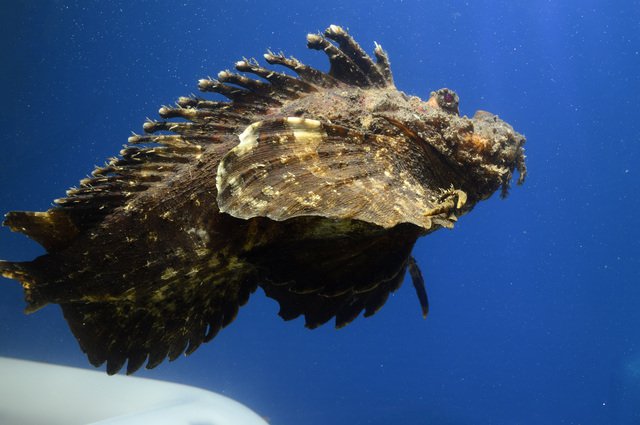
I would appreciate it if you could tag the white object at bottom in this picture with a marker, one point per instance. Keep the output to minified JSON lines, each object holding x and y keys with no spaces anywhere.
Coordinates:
{"x":40,"y":393}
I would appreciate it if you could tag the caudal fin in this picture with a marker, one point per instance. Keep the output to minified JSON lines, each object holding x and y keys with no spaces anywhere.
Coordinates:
{"x":26,"y":274}
{"x":53,"y":229}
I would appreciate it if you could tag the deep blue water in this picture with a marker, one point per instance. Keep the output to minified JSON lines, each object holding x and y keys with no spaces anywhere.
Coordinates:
{"x":534,"y":299}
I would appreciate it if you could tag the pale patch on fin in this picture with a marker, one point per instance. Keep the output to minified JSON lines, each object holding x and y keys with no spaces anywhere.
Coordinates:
{"x":306,"y":131}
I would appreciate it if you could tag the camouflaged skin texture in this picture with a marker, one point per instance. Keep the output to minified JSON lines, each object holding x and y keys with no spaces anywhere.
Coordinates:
{"x":313,"y":187}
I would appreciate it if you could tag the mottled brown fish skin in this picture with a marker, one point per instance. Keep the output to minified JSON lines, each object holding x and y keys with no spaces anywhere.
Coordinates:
{"x":314,"y":187}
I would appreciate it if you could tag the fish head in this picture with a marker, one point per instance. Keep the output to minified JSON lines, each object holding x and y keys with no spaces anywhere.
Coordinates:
{"x":478,"y":155}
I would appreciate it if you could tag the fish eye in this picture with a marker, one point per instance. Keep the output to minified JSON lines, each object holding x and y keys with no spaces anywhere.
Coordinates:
{"x":448,"y":97}
{"x":448,"y":100}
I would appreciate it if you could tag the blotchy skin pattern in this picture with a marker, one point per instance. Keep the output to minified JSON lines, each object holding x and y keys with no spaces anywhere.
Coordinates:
{"x":313,"y":187}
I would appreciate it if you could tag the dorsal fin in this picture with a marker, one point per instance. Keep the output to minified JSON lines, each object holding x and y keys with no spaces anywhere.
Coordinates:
{"x":349,"y":63}
{"x":149,"y":159}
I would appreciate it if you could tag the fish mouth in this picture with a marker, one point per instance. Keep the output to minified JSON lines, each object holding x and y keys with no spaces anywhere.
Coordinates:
{"x":503,"y":147}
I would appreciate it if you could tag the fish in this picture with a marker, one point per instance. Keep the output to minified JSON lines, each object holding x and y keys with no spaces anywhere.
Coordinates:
{"x":312,"y":185}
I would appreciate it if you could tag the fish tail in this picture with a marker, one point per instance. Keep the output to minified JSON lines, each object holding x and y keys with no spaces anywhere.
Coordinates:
{"x":28,"y":276}
{"x":53,"y":229}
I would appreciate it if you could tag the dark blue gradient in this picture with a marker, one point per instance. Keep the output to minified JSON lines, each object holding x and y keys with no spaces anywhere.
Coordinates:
{"x":534,"y":300}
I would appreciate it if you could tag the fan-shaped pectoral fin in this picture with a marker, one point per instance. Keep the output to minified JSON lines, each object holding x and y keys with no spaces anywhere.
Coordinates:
{"x":447,"y":207}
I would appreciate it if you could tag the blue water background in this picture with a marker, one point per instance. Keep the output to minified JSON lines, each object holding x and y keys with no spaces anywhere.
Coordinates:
{"x":534,"y":317}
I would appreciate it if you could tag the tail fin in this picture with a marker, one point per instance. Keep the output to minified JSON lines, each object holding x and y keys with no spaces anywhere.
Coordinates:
{"x":25,"y":273}
{"x":52,"y":229}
